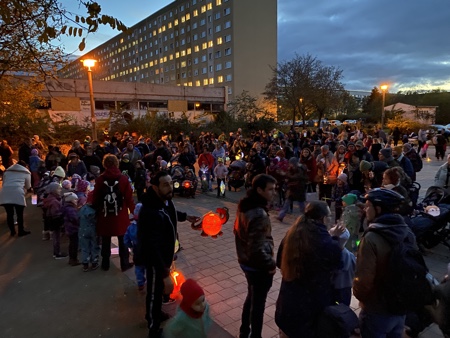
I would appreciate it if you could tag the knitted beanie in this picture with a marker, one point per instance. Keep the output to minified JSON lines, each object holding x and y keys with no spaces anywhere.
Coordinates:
{"x":59,"y":171}
{"x":365,"y":166}
{"x":66,"y":184}
{"x":70,"y":197}
{"x":343,"y":177}
{"x":82,"y":186}
{"x":349,"y":199}
{"x":386,"y":152}
{"x":190,"y":291}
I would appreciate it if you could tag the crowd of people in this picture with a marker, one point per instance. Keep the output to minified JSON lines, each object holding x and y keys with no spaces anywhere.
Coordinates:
{"x":88,"y":195}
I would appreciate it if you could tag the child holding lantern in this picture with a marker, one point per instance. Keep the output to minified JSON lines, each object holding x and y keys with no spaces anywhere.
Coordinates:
{"x":192,"y":318}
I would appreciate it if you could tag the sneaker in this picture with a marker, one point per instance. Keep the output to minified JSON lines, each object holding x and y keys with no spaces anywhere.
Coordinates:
{"x":94,"y":266}
{"x":168,"y":301}
{"x":61,"y":255}
{"x":86,"y":267}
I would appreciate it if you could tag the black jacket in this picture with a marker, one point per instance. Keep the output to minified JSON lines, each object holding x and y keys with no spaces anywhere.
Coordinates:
{"x":157,"y":232}
{"x":253,"y":234}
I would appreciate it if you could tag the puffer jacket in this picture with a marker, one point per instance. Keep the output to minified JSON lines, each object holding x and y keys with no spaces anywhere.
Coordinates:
{"x":372,"y":262}
{"x":71,"y":219}
{"x":440,"y":179}
{"x":253,"y":234}
{"x":16,"y":179}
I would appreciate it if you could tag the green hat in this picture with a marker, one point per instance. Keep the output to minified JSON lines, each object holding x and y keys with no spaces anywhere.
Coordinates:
{"x":349,"y":199}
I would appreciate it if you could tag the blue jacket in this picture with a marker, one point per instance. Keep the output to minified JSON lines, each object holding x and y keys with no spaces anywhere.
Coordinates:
{"x":130,"y":238}
{"x":182,"y":326}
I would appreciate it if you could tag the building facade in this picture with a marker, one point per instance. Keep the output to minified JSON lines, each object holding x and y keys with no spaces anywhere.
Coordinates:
{"x":194,"y":43}
{"x":421,"y":114}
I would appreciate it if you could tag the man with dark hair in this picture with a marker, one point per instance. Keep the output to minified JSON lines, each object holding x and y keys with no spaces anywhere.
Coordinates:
{"x":254,"y":246}
{"x":157,"y":233}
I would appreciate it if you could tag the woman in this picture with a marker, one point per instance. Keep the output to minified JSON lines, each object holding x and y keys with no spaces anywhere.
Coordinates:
{"x":113,"y":222}
{"x":307,"y":258}
{"x":375,"y":149}
{"x":442,"y":177}
{"x":16,"y":180}
{"x":309,"y":161}
{"x":392,"y":180}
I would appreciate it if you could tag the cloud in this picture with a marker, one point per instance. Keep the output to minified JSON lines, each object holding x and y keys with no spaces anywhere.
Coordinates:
{"x":405,"y":43}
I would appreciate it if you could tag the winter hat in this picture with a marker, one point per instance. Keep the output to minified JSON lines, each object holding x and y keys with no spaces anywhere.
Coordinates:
{"x":70,"y":197}
{"x":82,"y":186}
{"x":52,"y":187}
{"x":75,"y":179}
{"x":359,"y":143}
{"x":190,"y":291}
{"x":386,"y":152}
{"x":365,"y":166}
{"x":293,"y":160}
{"x":349,"y":199}
{"x":137,"y":208}
{"x":66,"y":184}
{"x":398,"y":150}
{"x":34,"y":152}
{"x":59,"y":171}
{"x":163,"y":164}
{"x":343,"y":177}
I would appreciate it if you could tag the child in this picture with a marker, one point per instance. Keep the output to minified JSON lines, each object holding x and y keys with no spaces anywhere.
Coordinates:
{"x":351,"y":220}
{"x":130,"y":240}
{"x":339,"y":190}
{"x":140,"y":178}
{"x":71,"y":225}
{"x":221,"y":172}
{"x":87,"y":235}
{"x":343,"y":278}
{"x":66,"y":187}
{"x":81,"y":190}
{"x":53,"y":218}
{"x":35,"y":162}
{"x":192,"y":318}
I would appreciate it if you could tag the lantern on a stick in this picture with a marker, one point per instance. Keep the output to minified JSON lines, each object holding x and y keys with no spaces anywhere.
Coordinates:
{"x":211,"y":223}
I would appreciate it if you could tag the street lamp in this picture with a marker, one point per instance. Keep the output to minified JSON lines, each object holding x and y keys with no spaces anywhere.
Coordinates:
{"x":89,"y":63}
{"x":383,"y":91}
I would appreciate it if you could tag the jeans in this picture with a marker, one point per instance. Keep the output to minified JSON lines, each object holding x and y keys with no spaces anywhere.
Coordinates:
{"x":139,"y":271}
{"x":124,"y":254}
{"x":258,"y":286}
{"x":9,"y":208}
{"x":286,"y":206}
{"x":381,"y":326}
{"x":89,"y":246}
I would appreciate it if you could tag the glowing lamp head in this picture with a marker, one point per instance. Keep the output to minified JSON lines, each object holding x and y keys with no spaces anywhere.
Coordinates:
{"x":187,"y":184}
{"x":89,"y":63}
{"x":211,"y":224}
{"x":384,"y":88}
{"x":176,"y":185}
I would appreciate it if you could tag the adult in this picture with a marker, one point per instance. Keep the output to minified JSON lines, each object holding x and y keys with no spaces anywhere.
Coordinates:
{"x":404,"y":162}
{"x":309,"y":162}
{"x":372,"y":264}
{"x":111,"y":147}
{"x":16,"y":180}
{"x":187,"y":158}
{"x":156,"y":244}
{"x":133,"y":153}
{"x":307,"y":257}
{"x":6,"y":153}
{"x":442,"y":177}
{"x":218,"y":152}
{"x":254,"y":246}
{"x":396,"y":135}
{"x":372,"y":173}
{"x":91,"y":159}
{"x":385,"y":155}
{"x":25,"y":151}
{"x":77,"y":149}
{"x":440,"y":144}
{"x":414,"y":157}
{"x":375,"y":148}
{"x":76,"y":166}
{"x":113,"y":224}
{"x":327,"y":171}
{"x":296,"y":180}
{"x":38,"y":144}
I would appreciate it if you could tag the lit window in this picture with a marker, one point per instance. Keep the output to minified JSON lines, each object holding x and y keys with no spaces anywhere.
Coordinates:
{"x":218,"y":2}
{"x":177,"y":55}
{"x":220,"y":79}
{"x":183,"y":53}
{"x":171,"y":57}
{"x":204,"y":45}
{"x":197,"y":83}
{"x":203,"y":9}
{"x":188,"y":51}
{"x":219,"y":41}
{"x":205,"y":82}
{"x":189,"y":84}
{"x":210,"y":44}
{"x":183,"y":64}
{"x":195,"y":13}
{"x":188,"y":16}
{"x":175,"y":23}
{"x":211,"y":81}
{"x":196,"y":48}
{"x":209,"y":6}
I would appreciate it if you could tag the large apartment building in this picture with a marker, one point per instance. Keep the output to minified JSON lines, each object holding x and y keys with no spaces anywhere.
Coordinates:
{"x":198,"y":43}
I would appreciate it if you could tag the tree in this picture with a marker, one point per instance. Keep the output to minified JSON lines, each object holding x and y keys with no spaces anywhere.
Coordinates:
{"x":244,"y":107}
{"x":304,"y":85}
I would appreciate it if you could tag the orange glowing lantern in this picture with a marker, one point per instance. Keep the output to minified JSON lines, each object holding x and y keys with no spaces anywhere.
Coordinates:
{"x":178,"y":280}
{"x":211,"y":224}
{"x":187,"y":184}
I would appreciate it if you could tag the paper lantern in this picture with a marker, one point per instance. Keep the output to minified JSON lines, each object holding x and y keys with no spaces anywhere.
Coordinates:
{"x":178,"y":280}
{"x":212,"y":224}
{"x":187,"y":184}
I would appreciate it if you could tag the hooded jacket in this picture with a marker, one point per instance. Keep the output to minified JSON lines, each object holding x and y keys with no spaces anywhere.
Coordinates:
{"x":16,"y":179}
{"x":157,"y":232}
{"x":373,"y":257}
{"x":253,"y":234}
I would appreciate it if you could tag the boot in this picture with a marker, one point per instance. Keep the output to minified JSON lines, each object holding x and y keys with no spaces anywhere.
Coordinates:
{"x":45,"y":235}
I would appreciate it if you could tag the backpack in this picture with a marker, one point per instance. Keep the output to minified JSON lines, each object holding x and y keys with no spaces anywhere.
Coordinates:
{"x":404,"y":287}
{"x":112,"y":197}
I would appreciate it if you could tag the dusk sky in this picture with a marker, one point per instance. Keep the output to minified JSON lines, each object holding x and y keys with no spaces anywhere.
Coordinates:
{"x":405,"y":43}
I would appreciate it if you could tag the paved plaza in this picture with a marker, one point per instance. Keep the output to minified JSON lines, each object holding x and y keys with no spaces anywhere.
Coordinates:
{"x":43,"y":297}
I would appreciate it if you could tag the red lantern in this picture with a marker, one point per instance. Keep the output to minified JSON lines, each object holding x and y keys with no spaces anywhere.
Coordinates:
{"x":187,"y":184}
{"x":178,"y":280}
{"x":212,"y":224}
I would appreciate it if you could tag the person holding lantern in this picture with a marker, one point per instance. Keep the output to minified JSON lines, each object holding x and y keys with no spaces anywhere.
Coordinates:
{"x":254,"y":246}
{"x":156,"y":236}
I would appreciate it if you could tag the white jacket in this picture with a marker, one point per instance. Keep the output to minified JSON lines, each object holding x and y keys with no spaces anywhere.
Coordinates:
{"x":441,"y":176}
{"x":16,"y":180}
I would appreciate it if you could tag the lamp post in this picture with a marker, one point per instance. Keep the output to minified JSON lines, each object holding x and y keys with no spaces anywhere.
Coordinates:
{"x":383,"y":91}
{"x":89,"y":63}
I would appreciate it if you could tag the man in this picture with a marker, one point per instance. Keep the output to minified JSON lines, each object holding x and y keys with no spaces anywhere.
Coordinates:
{"x":25,"y":151}
{"x":404,"y":162}
{"x":385,"y":155}
{"x":254,"y":246}
{"x":372,"y":264}
{"x":157,"y":232}
{"x":133,"y":153}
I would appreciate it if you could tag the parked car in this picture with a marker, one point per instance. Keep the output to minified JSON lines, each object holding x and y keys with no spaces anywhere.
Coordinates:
{"x":442,"y":128}
{"x":336,"y":123}
{"x":349,"y":122}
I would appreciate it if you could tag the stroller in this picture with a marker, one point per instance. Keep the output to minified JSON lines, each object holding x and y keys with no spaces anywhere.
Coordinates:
{"x":433,"y":230}
{"x":236,"y":174}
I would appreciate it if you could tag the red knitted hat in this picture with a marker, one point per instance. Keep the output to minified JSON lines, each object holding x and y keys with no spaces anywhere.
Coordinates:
{"x":190,"y":291}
